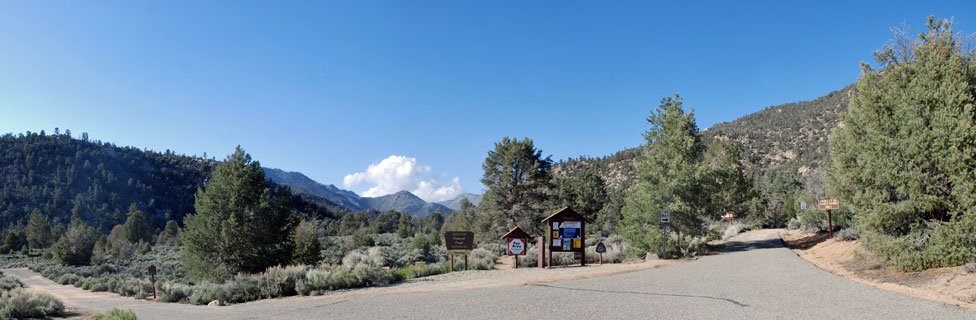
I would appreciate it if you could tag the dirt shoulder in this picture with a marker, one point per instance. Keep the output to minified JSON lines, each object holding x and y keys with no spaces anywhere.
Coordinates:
{"x":850,"y":260}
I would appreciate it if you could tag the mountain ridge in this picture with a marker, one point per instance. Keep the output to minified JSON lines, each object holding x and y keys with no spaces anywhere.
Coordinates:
{"x":402,"y":201}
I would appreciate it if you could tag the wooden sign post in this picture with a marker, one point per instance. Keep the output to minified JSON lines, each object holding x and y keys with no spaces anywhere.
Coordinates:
{"x":518,"y":243}
{"x":567,"y":233}
{"x":152,"y":276}
{"x":459,"y":242}
{"x":829,"y":204}
{"x":600,"y":248}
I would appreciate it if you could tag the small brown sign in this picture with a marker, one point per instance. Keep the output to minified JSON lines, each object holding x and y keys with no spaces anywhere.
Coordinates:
{"x":152,"y":270}
{"x":459,"y":240}
{"x":829,"y":204}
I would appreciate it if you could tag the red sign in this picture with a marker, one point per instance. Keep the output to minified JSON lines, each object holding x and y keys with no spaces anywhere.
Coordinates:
{"x":517,"y":246}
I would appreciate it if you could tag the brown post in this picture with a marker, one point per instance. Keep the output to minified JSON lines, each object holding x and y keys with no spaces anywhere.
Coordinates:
{"x":583,"y":242}
{"x":541,"y":242}
{"x":601,"y":258}
{"x":153,"y":277}
{"x":830,"y":224}
{"x":549,"y":235}
{"x":452,"y":263}
{"x":516,"y":261}
{"x":465,"y":262}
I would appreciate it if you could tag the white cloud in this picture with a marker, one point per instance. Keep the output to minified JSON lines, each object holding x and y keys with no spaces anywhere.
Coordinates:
{"x":398,"y":173}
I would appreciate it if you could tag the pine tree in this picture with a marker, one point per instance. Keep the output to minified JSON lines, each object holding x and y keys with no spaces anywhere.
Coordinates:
{"x":669,"y":178}
{"x":307,"y":246}
{"x":517,"y":177}
{"x":585,"y":192}
{"x":404,"y":227}
{"x":904,"y":158}
{"x":241,"y":224}
{"x":38,"y":230}
{"x":725,"y":182}
{"x":136,"y":228}
{"x":75,"y":246}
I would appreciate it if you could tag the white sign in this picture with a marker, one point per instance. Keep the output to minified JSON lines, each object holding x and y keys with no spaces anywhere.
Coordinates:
{"x":516,"y":246}
{"x":665,"y":216}
{"x":803,"y":205}
{"x":571,"y":225}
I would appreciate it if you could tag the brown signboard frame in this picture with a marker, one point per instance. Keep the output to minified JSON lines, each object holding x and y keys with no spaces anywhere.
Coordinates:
{"x":559,"y":217}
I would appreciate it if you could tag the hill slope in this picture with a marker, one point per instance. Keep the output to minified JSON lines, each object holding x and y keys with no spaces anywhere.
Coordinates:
{"x":97,"y":182}
{"x":789,"y":138}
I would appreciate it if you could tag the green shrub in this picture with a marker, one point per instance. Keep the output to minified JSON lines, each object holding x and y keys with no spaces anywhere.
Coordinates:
{"x":116,"y":314}
{"x":8,"y":283}
{"x":18,"y":303}
{"x":174,"y":292}
{"x":848,"y":234}
{"x":932,"y":245}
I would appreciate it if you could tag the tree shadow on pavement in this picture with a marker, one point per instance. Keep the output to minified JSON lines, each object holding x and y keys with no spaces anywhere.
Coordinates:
{"x":647,"y":293}
{"x":737,"y":246}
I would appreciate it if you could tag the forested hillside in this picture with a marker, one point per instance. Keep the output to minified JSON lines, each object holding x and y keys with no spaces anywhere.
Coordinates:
{"x":784,"y":151}
{"x":97,"y":182}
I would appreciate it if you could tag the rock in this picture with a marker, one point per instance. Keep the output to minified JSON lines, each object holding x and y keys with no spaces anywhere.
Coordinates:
{"x":651,"y":256}
{"x":215,"y":303}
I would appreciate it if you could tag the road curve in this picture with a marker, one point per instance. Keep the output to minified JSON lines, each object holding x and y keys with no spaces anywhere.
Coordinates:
{"x":755,"y":278}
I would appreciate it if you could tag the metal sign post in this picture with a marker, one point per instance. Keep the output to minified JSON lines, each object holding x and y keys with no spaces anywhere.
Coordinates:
{"x":600,"y":248}
{"x":665,"y":220}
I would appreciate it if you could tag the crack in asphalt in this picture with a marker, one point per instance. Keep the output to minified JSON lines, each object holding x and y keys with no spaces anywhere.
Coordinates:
{"x":742,"y":305}
{"x":296,"y":310}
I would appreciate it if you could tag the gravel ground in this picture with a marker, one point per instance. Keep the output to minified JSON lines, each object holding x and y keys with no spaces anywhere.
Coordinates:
{"x":755,"y":278}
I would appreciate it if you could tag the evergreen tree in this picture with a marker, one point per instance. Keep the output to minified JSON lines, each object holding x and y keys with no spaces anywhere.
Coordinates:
{"x":170,"y":235}
{"x":38,"y":230}
{"x":517,"y":177}
{"x":75,"y":246}
{"x":307,"y":246}
{"x":136,"y":227}
{"x":669,"y":178}
{"x":726,"y":184}
{"x":241,"y":224}
{"x":404,"y":227}
{"x":585,"y":193}
{"x":904,"y":159}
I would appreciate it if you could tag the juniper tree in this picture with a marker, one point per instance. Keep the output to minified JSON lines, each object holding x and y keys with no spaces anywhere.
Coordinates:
{"x":241,"y":223}
{"x":904,"y":158}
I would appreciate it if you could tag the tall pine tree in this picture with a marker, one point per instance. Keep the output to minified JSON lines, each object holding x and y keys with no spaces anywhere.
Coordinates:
{"x":669,"y":178}
{"x":517,"y":177}
{"x":241,"y":224}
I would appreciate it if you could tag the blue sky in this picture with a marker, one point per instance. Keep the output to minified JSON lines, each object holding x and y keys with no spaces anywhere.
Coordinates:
{"x":330,"y":88}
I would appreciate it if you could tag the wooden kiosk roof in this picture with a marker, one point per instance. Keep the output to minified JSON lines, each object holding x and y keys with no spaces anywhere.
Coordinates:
{"x":565,"y":214}
{"x":516,"y":233}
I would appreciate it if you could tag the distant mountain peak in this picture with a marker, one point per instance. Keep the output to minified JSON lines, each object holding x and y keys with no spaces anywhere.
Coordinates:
{"x":399,"y":201}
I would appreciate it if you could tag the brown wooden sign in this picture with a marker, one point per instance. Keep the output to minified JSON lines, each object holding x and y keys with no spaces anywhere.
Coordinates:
{"x":152,"y":270}
{"x":829,"y":204}
{"x":459,"y":241}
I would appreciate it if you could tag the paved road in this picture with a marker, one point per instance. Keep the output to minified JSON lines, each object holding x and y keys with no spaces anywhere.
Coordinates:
{"x":756,"y":278}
